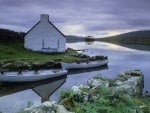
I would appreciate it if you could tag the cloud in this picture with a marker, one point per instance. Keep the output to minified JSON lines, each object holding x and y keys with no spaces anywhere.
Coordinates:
{"x":72,"y":29}
{"x":79,"y":17}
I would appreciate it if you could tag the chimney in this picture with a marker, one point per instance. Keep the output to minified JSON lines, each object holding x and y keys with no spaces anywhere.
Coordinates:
{"x":44,"y":17}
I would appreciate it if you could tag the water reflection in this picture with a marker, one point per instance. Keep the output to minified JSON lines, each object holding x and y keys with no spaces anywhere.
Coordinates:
{"x":46,"y":90}
{"x":120,"y":59}
{"x":99,"y":46}
{"x":43,"y":88}
{"x":87,"y":70}
{"x":89,"y":42}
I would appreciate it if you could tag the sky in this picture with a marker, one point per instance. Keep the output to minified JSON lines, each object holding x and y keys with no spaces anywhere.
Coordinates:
{"x":98,"y":18}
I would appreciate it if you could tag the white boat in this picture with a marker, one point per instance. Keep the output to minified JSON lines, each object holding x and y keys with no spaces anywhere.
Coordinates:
{"x":80,"y":65}
{"x":29,"y":76}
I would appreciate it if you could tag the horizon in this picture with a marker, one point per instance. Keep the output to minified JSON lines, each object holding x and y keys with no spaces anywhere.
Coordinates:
{"x":97,"y":18}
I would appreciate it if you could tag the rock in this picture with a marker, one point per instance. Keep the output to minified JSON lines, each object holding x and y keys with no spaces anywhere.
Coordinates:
{"x":76,"y":90}
{"x":128,"y":89}
{"x":135,"y":72}
{"x":62,"y":109}
{"x":48,"y":104}
{"x":93,"y":93}
{"x":45,"y":65}
{"x":118,"y":82}
{"x":6,"y":65}
{"x":46,"y":107}
{"x":129,"y":73}
{"x":132,"y":82}
{"x":98,"y":81}
{"x":20,"y":64}
{"x":84,"y":95}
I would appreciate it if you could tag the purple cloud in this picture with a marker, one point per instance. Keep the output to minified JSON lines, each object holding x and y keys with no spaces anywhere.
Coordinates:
{"x":95,"y":17}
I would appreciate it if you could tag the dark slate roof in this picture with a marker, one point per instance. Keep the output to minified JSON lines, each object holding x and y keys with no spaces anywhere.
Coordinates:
{"x":49,"y":23}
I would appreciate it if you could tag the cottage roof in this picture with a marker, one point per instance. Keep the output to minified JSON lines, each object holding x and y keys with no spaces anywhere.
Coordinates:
{"x":45,"y":18}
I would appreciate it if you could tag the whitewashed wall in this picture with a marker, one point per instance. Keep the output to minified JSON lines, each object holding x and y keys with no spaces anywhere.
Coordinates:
{"x":44,"y":31}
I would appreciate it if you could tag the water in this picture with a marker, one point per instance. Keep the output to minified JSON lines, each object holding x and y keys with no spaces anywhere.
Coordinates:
{"x":16,"y":96}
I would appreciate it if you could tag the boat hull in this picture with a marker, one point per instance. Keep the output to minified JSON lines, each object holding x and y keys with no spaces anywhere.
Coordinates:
{"x":34,"y":77}
{"x":84,"y":64}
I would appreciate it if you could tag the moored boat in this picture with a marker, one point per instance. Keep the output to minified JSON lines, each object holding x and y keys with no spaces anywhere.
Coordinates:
{"x":29,"y":76}
{"x":79,"y":65}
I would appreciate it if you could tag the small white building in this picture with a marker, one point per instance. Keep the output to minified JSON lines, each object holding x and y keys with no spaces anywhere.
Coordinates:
{"x":45,"y":37}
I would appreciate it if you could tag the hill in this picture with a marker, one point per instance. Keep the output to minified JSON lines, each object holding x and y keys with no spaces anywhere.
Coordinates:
{"x":73,"y":39}
{"x":136,"y":37}
{"x":10,"y":36}
{"x":13,"y":36}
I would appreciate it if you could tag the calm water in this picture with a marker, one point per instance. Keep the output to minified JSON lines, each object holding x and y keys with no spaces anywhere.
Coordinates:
{"x":16,"y":96}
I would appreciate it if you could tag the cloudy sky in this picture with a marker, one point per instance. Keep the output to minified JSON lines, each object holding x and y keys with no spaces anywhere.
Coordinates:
{"x":78,"y":17}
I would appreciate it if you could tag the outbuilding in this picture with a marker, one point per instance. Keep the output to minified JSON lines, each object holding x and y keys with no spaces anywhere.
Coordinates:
{"x":45,"y":37}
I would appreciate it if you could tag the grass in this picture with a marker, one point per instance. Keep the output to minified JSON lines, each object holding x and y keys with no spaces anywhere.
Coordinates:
{"x":15,"y":50}
{"x":13,"y":56}
{"x":106,"y":102}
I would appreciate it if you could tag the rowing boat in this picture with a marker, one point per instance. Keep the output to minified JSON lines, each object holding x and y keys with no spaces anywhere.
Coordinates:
{"x":28,"y":76}
{"x":80,"y":65}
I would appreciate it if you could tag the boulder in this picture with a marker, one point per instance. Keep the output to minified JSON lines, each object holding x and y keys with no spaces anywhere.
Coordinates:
{"x":98,"y":81}
{"x":131,"y":82}
{"x":128,"y":89}
{"x":46,"y":107}
{"x":129,"y":73}
{"x":6,"y":65}
{"x":62,"y":109}
{"x":76,"y":90}
{"x":20,"y":65}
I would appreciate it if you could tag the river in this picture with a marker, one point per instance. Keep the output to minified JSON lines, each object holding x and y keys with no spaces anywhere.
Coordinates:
{"x":16,"y":96}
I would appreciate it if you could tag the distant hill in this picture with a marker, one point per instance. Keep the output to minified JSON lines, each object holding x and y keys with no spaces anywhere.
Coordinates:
{"x":136,"y":37}
{"x":72,"y":39}
{"x":10,"y":36}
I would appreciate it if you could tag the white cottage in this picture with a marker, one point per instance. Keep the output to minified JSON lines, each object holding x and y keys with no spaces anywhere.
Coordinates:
{"x":44,"y":36}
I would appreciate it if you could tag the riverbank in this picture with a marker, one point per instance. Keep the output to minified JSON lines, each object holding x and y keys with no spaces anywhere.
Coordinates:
{"x":16,"y":50}
{"x":14,"y":57}
{"x":135,"y":45}
{"x":122,"y":94}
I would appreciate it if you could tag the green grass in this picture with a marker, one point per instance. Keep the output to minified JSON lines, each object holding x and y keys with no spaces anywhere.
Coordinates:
{"x":13,"y":51}
{"x":106,"y":102}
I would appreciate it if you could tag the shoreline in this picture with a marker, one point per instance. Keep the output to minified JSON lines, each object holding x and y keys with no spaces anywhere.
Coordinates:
{"x":136,"y":46}
{"x":101,"y":94}
{"x":26,"y":64}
